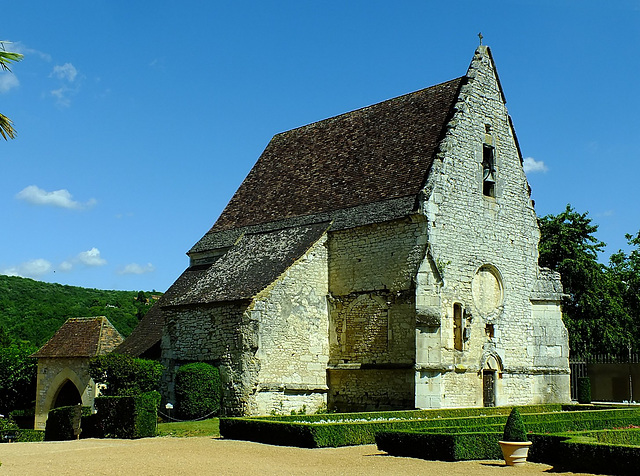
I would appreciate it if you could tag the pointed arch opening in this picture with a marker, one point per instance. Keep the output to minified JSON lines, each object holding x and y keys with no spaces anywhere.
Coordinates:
{"x":67,"y":395}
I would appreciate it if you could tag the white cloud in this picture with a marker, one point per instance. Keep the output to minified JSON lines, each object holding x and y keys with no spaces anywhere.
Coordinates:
{"x":606,"y":214}
{"x":8,"y":81}
{"x":532,"y":165}
{"x":58,"y":198}
{"x":37,"y":268}
{"x":135,"y":268}
{"x":62,"y":96}
{"x":91,"y":258}
{"x":30,"y":269}
{"x":68,"y":86}
{"x":67,"y":71}
{"x":19,"y":47}
{"x":65,"y":266}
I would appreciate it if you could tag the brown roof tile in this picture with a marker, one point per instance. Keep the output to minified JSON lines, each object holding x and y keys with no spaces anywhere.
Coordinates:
{"x":81,"y":337}
{"x":376,"y":153}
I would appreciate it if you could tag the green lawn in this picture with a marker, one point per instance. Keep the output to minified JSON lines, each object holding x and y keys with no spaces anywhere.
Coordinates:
{"x":185,"y":429}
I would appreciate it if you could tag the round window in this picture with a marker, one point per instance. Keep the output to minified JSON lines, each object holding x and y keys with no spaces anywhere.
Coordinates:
{"x":487,"y":289}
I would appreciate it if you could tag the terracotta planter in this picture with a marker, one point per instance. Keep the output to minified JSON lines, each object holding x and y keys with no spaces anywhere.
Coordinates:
{"x":515,"y":452}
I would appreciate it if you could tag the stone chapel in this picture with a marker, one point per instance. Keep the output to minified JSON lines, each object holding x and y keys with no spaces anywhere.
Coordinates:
{"x":386,"y":258}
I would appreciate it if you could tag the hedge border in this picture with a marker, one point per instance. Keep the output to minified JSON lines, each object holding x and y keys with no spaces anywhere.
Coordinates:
{"x":295,"y":431}
{"x":21,"y":435}
{"x":572,"y":452}
{"x":60,"y":422}
{"x":441,"y":446}
{"x":125,"y":416}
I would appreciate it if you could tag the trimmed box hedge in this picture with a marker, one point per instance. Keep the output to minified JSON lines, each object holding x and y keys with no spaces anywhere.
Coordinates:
{"x":361,"y":428}
{"x":441,"y":446}
{"x":21,"y":436}
{"x":344,"y":429}
{"x":618,"y":436}
{"x":63,"y":423}
{"x":125,"y":416}
{"x":418,"y":414}
{"x":576,"y":453}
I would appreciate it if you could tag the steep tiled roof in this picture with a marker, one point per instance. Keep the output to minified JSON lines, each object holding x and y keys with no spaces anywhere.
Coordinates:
{"x":82,"y":337}
{"x":146,"y":334}
{"x":378,"y":153}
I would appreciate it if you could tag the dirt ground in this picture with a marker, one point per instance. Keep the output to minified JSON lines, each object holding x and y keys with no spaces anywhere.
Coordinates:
{"x":206,"y":455}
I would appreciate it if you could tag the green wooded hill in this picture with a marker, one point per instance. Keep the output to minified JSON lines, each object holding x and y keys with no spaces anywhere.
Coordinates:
{"x":33,"y":310}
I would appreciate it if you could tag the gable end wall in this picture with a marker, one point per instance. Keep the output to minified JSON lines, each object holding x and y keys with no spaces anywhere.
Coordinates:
{"x":468,"y":230}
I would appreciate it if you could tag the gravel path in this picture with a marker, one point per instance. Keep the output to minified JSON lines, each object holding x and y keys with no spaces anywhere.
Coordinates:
{"x":204,"y":455}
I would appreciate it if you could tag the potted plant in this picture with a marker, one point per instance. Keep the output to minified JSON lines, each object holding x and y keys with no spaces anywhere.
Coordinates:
{"x":515,"y":444}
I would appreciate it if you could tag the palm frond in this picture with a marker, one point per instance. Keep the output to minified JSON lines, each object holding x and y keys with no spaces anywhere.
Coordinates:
{"x":6,"y":128}
{"x":7,"y":57}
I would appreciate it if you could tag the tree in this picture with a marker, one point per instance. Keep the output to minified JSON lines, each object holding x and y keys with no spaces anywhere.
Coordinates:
{"x":125,"y":375}
{"x":18,"y":375}
{"x":6,"y":58}
{"x":625,"y":269}
{"x":593,"y":309}
{"x":142,"y":297}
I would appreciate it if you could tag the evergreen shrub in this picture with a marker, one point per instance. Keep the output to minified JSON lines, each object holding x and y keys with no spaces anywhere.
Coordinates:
{"x":360,"y":428}
{"x":574,"y":452}
{"x":440,"y":446}
{"x":514,"y":429}
{"x":21,"y":435}
{"x":8,"y":424}
{"x":63,"y":422}
{"x":198,"y":391}
{"x":125,"y":375}
{"x":584,"y":390}
{"x":126,"y":416}
{"x":24,"y":418}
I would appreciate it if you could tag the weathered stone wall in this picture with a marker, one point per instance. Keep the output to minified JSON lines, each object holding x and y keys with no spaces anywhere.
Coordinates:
{"x":53,"y":374}
{"x":484,"y":251}
{"x":372,"y":328}
{"x":371,"y":389}
{"x":372,"y":309}
{"x":293,"y":341}
{"x":381,"y":256}
{"x":223,"y":335}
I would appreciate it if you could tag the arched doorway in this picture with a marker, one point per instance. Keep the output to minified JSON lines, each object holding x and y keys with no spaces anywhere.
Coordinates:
{"x":68,"y":395}
{"x":490,"y":371}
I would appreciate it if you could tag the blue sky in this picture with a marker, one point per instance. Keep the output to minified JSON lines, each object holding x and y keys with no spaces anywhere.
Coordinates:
{"x":138,"y":120}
